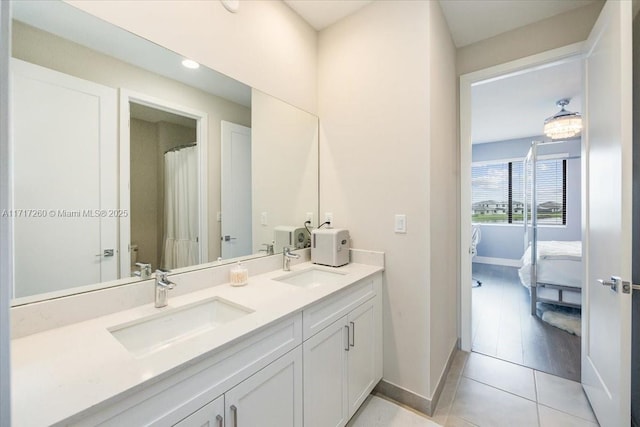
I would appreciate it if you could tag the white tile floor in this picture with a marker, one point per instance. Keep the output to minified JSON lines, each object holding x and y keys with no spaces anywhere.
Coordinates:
{"x":483,"y":391}
{"x":379,"y":412}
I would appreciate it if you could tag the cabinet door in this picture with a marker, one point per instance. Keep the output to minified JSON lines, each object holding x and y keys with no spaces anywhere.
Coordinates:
{"x":210,"y":415}
{"x":325,"y":376}
{"x":362,"y":354}
{"x":272,"y":397}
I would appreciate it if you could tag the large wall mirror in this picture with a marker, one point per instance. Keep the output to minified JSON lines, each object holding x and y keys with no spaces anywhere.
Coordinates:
{"x":124,"y":156}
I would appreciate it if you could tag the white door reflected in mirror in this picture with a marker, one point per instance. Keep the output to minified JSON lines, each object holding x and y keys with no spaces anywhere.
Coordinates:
{"x":236,"y":191}
{"x":65,"y":170}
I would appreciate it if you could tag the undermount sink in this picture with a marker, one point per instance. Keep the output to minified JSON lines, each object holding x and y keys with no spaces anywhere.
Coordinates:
{"x":145,"y":336}
{"x":312,"y":277}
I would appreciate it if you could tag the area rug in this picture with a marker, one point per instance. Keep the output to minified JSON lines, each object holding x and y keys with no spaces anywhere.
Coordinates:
{"x":566,"y":318}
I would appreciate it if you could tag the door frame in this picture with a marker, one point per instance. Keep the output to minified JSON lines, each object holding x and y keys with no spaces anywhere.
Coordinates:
{"x":546,"y":59}
{"x":6,"y":224}
{"x":202,"y":120}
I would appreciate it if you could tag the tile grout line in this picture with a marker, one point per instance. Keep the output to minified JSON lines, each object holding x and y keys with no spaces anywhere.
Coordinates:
{"x":538,"y":404}
{"x":535,"y":388}
{"x":571,"y":415}
{"x":455,"y":391}
{"x":499,"y":389}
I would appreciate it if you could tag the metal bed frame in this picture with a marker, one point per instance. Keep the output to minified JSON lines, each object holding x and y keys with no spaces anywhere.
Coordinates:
{"x":531,"y":159}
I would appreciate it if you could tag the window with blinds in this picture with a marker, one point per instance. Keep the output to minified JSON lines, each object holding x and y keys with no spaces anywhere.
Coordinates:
{"x":498,"y":192}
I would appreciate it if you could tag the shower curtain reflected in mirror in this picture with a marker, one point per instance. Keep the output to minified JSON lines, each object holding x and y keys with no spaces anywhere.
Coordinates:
{"x":180,"y":247}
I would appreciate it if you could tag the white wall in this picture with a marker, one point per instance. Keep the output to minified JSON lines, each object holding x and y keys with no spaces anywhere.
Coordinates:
{"x":277,"y":180}
{"x":444,"y":174}
{"x":264,"y":45}
{"x":379,"y":156}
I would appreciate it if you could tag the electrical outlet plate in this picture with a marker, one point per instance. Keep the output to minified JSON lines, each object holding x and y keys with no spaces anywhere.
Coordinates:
{"x":328,"y":217}
{"x":264,"y":218}
{"x":309,"y":217}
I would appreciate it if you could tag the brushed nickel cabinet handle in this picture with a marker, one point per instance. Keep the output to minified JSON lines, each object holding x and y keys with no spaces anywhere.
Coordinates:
{"x":234,"y":412}
{"x":346,"y":344}
{"x":353,"y":334}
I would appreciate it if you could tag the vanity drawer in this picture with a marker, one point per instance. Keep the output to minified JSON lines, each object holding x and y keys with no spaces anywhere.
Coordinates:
{"x":173,"y":398}
{"x":321,"y":315}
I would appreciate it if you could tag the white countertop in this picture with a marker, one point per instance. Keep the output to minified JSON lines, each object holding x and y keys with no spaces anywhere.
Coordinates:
{"x":64,"y":371}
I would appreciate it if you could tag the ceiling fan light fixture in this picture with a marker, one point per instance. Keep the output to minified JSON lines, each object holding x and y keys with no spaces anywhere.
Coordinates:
{"x":564,"y":124}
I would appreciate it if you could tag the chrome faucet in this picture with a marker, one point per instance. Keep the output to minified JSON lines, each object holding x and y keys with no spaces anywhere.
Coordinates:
{"x":268,"y":248}
{"x":144,"y":272}
{"x":286,"y":258}
{"x":163,"y":286}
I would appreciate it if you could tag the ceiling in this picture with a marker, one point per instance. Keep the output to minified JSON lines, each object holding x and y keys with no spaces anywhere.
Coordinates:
{"x":322,"y":13}
{"x":509,"y":108}
{"x":469,"y":20}
{"x":154,"y":115}
{"x":516,"y":107}
{"x":473,"y":20}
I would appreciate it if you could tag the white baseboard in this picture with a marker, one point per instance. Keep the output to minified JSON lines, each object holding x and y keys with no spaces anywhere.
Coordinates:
{"x":497,"y":261}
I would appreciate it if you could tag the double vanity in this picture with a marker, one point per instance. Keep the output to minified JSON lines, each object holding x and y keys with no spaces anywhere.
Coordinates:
{"x":295,"y":348}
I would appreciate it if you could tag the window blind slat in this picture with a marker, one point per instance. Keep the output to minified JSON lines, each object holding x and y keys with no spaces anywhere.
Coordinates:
{"x":498,"y":196}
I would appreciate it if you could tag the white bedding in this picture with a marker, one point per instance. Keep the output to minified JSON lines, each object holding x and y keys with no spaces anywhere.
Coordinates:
{"x":559,"y":263}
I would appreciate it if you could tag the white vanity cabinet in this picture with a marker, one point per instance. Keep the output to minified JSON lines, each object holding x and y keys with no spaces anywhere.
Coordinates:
{"x":272,"y":397}
{"x":312,"y":366}
{"x":210,"y":415}
{"x":325,"y":377}
{"x":242,"y":374}
{"x":343,"y":361}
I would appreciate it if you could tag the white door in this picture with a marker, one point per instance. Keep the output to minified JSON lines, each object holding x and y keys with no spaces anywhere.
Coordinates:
{"x":272,"y":397}
{"x":236,"y":191}
{"x":606,"y":342}
{"x":65,"y":180}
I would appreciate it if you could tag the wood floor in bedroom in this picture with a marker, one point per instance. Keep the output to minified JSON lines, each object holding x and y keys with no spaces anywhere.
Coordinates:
{"x":502,"y":326}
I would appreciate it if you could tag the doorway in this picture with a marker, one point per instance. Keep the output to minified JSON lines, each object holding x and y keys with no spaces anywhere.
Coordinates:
{"x":163,"y":155}
{"x":507,"y":106}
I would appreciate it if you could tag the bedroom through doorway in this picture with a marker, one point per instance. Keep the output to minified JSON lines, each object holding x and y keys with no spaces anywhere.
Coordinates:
{"x":529,"y":320}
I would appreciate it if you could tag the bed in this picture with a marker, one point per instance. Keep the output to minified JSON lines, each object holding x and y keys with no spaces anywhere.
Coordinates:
{"x":558,"y":273}
{"x":552,"y":270}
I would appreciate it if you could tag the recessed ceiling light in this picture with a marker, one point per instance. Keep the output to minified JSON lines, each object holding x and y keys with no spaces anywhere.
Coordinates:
{"x":190,"y":63}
